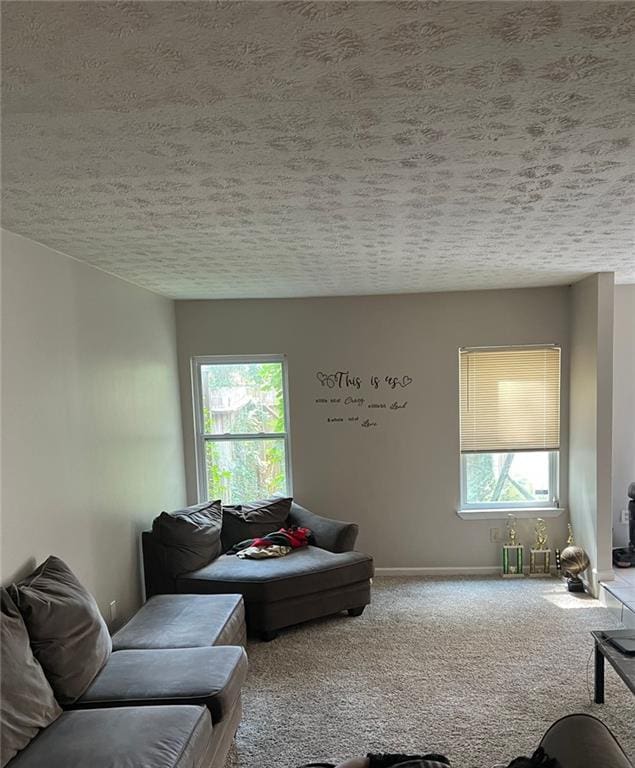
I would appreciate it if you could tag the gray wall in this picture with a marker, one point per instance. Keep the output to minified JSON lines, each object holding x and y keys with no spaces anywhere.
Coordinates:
{"x":400,"y":479}
{"x":91,"y":431}
{"x":623,"y":405}
{"x":590,"y":418}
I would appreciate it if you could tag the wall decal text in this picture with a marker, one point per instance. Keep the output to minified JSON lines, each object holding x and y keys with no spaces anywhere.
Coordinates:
{"x":368,"y":400}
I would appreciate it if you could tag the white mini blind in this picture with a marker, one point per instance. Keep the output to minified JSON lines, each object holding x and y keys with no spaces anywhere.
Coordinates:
{"x":510,"y":399}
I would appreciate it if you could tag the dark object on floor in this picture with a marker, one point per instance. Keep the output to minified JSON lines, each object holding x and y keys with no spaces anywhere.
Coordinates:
{"x":390,"y":760}
{"x":624,"y":557}
{"x":575,"y":584}
{"x":406,"y":761}
{"x":308,"y":583}
{"x":538,"y":760}
{"x":574,"y":741}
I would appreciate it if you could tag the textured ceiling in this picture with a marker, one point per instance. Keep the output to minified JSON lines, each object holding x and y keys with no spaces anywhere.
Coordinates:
{"x":296,"y":148}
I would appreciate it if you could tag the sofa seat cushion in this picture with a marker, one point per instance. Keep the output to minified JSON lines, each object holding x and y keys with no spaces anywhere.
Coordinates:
{"x":211,"y":677}
{"x":301,"y":572}
{"x":184,"y":621}
{"x":161,"y":737}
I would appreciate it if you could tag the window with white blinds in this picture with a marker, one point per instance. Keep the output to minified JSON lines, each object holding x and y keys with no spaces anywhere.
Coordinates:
{"x":510,"y":399}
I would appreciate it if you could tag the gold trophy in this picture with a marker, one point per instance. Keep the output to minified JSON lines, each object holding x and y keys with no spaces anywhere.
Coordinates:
{"x":540,"y":554}
{"x":541,"y":534}
{"x":512,"y":537}
{"x":512,"y":566}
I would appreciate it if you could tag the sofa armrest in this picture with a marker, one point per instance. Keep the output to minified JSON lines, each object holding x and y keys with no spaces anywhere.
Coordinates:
{"x":333,"y":535}
{"x":156,"y":576}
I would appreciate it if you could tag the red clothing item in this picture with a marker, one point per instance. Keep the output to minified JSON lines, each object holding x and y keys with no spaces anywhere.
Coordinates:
{"x":294,"y":537}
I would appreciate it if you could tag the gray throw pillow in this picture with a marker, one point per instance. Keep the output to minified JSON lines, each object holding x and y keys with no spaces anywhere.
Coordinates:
{"x":191,"y":536}
{"x":27,"y":703}
{"x":68,"y":635}
{"x":253,"y":519}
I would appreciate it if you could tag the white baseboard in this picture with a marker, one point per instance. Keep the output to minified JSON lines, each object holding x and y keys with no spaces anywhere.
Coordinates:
{"x":604,"y":575}
{"x":474,"y":570}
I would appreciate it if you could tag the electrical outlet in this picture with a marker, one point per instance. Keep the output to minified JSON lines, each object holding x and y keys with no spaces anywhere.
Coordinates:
{"x":625,"y":516}
{"x":494,"y":534}
{"x":113,"y":610}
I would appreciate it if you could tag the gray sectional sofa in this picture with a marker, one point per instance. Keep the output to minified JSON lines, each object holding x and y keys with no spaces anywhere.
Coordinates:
{"x":167,"y":696}
{"x":308,"y":583}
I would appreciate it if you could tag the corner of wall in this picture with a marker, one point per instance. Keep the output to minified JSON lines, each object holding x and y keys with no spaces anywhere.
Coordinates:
{"x":590,"y":417}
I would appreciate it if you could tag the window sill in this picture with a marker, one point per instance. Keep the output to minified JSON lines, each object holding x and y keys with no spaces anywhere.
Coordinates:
{"x":501,"y":514}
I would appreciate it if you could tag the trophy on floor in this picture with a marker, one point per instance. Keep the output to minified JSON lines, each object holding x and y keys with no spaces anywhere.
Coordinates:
{"x":540,"y":554}
{"x":512,"y":552}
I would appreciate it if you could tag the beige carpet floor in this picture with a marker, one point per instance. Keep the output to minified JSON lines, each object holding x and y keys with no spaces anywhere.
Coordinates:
{"x":476,"y":669}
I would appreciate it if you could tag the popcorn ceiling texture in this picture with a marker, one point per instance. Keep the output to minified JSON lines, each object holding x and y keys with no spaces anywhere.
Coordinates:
{"x":257,"y":149}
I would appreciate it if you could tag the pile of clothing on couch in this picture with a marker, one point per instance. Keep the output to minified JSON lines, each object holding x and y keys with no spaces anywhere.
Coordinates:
{"x":276,"y":544}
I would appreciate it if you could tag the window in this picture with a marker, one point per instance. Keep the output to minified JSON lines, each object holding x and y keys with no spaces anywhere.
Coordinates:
{"x":241,"y":420}
{"x":510,"y":427}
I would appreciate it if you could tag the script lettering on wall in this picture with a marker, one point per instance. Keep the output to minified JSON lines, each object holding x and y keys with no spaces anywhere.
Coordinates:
{"x":361,"y":400}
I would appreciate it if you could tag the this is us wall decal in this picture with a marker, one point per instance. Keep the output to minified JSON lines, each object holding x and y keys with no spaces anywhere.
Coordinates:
{"x":354,"y":408}
{"x":344,"y":380}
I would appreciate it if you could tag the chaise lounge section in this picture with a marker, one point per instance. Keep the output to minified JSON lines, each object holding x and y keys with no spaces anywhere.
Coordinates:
{"x":308,"y":583}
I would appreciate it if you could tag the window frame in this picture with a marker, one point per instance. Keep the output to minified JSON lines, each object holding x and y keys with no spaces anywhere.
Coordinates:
{"x":552,"y":502}
{"x":201,"y":437}
{"x":501,"y":507}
